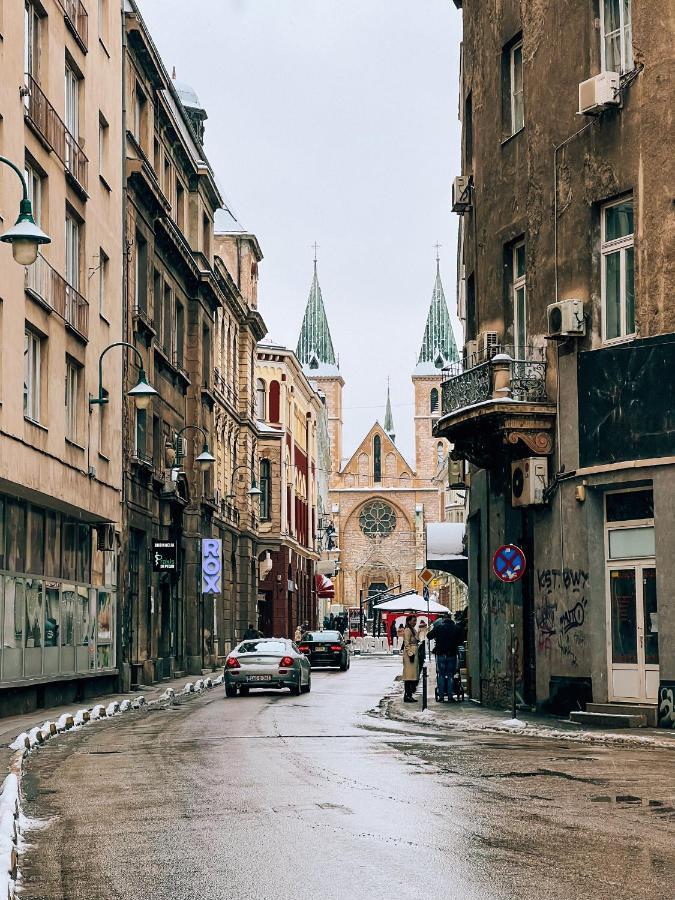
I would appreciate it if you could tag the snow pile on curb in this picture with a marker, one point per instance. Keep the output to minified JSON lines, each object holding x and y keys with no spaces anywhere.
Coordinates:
{"x":27,"y":741}
{"x":523,"y":729}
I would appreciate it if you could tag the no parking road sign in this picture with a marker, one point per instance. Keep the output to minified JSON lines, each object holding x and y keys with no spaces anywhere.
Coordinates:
{"x":508,"y":563}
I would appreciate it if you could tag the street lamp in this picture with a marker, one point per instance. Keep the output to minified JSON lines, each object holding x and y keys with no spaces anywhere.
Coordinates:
{"x":253,"y":491}
{"x":25,"y":236}
{"x":141,"y":393}
{"x":205,"y":459}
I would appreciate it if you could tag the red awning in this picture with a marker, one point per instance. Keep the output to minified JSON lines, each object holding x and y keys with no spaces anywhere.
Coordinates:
{"x":324,"y":587}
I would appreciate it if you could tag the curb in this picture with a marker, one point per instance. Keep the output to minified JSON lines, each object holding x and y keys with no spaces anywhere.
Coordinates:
{"x":24,"y":744}
{"x":388,"y":710}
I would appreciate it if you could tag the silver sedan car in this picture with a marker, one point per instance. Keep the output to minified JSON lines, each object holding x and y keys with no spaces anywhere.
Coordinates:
{"x":267,"y":663}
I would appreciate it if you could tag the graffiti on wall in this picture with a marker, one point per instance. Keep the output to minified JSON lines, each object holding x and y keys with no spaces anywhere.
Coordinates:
{"x":560,"y":612}
{"x":667,"y":705}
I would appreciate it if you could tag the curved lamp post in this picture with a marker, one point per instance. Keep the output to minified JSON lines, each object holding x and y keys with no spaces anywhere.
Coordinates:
{"x":254,"y":490}
{"x":141,"y":393}
{"x":205,"y":459}
{"x":25,"y":236}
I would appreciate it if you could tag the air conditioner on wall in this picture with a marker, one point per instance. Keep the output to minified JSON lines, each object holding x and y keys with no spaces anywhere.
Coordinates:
{"x":461,"y":194}
{"x":529,"y":480}
{"x":105,"y":536}
{"x":488,"y":344}
{"x":566,"y":319}
{"x":598,"y":93}
{"x":470,"y":351}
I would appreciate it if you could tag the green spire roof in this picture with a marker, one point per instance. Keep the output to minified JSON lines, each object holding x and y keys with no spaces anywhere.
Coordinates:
{"x":315,"y":347}
{"x":438,"y":346}
{"x":388,"y":417}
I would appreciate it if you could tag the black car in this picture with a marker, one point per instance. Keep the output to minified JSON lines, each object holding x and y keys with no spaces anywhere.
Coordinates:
{"x":325,"y":648}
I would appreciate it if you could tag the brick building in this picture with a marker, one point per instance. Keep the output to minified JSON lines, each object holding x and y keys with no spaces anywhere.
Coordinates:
{"x":379,"y":503}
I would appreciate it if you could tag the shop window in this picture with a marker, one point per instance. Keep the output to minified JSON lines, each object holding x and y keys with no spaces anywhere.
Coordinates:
{"x":36,"y":545}
{"x":15,"y":531}
{"x":105,"y":632}
{"x":13,"y":624}
{"x":617,"y":276}
{"x":52,"y":544}
{"x":2,"y":533}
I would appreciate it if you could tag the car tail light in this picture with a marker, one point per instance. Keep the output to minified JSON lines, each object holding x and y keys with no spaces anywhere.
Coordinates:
{"x":232,"y":663}
{"x":336,"y":648}
{"x":303,"y":649}
{"x":286,"y":662}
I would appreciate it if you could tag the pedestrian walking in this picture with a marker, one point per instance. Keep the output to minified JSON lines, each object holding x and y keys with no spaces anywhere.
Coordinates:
{"x":393,"y":632}
{"x":399,"y":633}
{"x":447,"y":638}
{"x":410,"y":659}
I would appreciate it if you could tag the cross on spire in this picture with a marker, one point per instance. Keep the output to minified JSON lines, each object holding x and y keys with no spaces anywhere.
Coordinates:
{"x":315,"y":247}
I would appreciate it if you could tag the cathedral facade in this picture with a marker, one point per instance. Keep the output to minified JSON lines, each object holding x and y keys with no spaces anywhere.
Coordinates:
{"x":379,"y":503}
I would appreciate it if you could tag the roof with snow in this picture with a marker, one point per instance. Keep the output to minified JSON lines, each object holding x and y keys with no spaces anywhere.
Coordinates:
{"x":315,"y":346}
{"x":438,"y":345}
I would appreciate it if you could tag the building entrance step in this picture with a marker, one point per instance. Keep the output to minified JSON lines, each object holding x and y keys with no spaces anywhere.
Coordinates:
{"x":647,"y":710}
{"x":608,"y":720}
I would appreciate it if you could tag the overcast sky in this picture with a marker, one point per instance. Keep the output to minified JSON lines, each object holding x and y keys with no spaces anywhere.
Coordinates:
{"x":334,"y":121}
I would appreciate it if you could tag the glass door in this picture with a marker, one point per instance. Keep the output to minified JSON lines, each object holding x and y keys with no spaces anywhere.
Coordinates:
{"x":633,"y":633}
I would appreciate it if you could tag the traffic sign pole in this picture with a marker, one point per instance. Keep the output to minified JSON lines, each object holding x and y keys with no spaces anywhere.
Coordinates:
{"x":509,"y":564}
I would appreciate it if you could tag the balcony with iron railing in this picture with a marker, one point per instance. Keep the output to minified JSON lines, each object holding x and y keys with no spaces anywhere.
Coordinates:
{"x":495,"y":399}
{"x":77,"y":19}
{"x":44,"y":284}
{"x":229,"y":512}
{"x":50,"y":128}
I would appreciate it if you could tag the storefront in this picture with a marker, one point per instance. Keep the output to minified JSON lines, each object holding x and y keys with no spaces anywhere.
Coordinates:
{"x":57,"y":596}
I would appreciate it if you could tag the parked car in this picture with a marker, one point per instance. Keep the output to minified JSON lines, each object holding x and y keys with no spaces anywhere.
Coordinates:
{"x":325,"y":648}
{"x":267,"y":663}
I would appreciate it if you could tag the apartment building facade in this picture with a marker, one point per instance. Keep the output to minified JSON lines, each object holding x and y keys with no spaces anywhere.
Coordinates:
{"x":195,"y":326}
{"x":289,"y":412}
{"x":561,"y":402}
{"x":60,"y":464}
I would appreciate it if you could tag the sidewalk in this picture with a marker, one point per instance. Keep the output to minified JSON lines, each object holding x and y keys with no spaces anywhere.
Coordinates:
{"x":470,"y":716}
{"x":11,"y":726}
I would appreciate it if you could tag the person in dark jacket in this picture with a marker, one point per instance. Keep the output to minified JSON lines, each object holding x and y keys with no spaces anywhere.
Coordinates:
{"x":251,"y":633}
{"x":447,"y":639}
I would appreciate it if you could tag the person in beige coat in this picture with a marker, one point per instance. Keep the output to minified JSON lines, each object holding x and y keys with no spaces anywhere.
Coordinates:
{"x":410,"y":659}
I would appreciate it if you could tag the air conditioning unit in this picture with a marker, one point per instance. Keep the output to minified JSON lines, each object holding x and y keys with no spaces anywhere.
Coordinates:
{"x":566,"y":319}
{"x":470,"y":351}
{"x":456,"y":474}
{"x":598,"y":93}
{"x":529,"y":480}
{"x":488,"y":344}
{"x":105,"y":536}
{"x":461,"y":194}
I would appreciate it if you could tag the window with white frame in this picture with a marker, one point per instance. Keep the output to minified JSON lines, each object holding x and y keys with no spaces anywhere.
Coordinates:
{"x":72,"y":251}
{"x":516,"y":87}
{"x":72,"y":104}
{"x":31,"y":40}
{"x":617,"y":44}
{"x":519,"y":300}
{"x":72,"y":383}
{"x":102,"y":281}
{"x":617,"y":277}
{"x":32,"y":353}
{"x":34,"y":185}
{"x":260,"y":399}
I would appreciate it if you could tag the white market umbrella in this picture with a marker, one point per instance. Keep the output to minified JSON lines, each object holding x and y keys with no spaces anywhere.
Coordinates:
{"x":411,"y":603}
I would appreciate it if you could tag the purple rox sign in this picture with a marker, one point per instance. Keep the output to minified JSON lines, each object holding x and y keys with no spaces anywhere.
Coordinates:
{"x":212,"y":565}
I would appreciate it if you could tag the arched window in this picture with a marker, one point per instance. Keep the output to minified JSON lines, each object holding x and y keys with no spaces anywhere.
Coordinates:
{"x":265,"y":487}
{"x":274,"y":401}
{"x":260,"y":399}
{"x":377,"y":459}
{"x":433,"y":401}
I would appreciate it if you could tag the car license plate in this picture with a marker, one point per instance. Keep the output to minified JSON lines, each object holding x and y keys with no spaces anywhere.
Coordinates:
{"x":319,"y":647}
{"x":258,"y":677}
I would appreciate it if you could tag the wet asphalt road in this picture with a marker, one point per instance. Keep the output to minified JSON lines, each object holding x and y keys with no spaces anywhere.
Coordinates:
{"x":273,"y":796}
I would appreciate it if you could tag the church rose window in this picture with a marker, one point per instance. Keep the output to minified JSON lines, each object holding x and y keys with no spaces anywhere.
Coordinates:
{"x":377,"y":518}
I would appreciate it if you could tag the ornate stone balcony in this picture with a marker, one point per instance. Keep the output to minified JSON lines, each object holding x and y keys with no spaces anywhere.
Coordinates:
{"x":497,"y":406}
